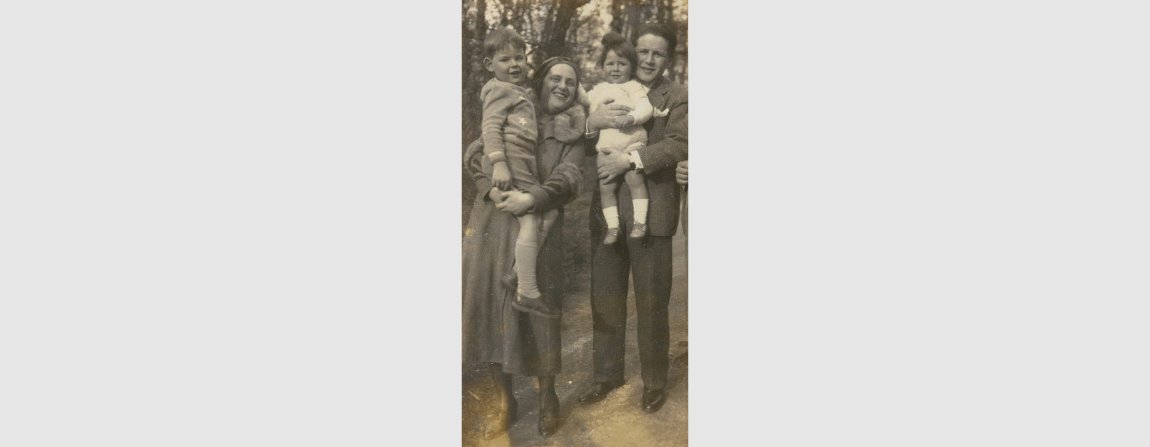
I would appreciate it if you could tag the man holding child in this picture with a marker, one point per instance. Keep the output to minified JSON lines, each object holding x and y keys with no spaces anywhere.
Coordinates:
{"x":647,"y":259}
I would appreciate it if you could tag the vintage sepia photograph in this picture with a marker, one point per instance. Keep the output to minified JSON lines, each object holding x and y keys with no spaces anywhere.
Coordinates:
{"x":574,"y":203}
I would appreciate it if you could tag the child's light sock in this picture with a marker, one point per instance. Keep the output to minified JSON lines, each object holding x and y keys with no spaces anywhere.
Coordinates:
{"x":640,"y":210}
{"x":525,"y":256}
{"x":612,"y":216}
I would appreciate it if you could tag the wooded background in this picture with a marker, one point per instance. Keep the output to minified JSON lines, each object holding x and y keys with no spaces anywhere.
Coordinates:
{"x":570,"y":28}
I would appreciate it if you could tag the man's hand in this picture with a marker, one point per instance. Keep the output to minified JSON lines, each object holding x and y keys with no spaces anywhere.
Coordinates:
{"x":515,"y":202}
{"x":623,"y":121}
{"x":681,"y":172}
{"x":613,"y":165}
{"x":501,"y":176}
{"x":604,"y":116}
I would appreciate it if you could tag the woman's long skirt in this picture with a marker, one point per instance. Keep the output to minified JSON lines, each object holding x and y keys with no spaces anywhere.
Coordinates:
{"x":493,"y":331}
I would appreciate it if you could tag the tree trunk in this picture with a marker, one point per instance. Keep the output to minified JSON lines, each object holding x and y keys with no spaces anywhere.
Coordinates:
{"x":618,"y":11}
{"x":505,"y":12}
{"x":466,"y":43}
{"x":554,"y":36}
{"x":634,"y":19}
{"x":474,"y":31}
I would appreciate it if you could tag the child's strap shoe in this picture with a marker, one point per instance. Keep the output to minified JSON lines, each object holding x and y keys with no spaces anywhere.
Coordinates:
{"x":612,"y":236}
{"x":638,"y":231}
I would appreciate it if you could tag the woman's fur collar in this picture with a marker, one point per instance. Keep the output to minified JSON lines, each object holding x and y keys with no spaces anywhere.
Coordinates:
{"x":566,"y":126}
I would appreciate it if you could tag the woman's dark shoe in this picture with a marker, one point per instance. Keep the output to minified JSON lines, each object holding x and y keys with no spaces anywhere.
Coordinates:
{"x":534,"y":306}
{"x":502,"y":422}
{"x":653,"y":400}
{"x":510,"y":280}
{"x":548,"y":413}
{"x":612,"y":236}
{"x":598,"y":391}
{"x":638,"y":230}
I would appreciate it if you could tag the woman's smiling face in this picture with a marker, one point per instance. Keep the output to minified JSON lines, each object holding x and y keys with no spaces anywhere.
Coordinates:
{"x":618,"y":69}
{"x":559,"y":87}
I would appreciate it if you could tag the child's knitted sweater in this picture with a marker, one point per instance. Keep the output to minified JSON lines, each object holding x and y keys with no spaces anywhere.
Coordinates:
{"x":508,"y":114}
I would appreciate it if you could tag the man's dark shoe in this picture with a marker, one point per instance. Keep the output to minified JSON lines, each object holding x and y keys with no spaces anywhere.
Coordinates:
{"x":598,"y":391}
{"x":535,"y":306}
{"x":653,"y":400}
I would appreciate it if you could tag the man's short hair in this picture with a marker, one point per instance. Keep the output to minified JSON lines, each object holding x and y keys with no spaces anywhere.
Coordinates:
{"x":660,"y":30}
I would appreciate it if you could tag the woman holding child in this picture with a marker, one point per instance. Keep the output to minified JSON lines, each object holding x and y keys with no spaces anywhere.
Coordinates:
{"x":509,"y":340}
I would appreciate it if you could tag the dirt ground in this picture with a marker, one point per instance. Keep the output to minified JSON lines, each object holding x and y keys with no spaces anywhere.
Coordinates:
{"x":618,"y":420}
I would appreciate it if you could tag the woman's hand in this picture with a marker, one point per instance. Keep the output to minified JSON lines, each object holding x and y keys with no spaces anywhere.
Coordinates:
{"x":496,"y":195}
{"x":604,"y":116}
{"x":515,"y":202}
{"x":501,"y":176}
{"x":681,"y":172}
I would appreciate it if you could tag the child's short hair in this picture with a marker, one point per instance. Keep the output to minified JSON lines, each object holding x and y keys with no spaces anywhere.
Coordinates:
{"x":660,"y":30}
{"x":614,"y":41}
{"x":500,"y":39}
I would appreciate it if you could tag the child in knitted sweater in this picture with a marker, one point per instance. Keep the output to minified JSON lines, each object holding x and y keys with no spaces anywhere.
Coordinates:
{"x":509,"y":138}
{"x":619,"y":60}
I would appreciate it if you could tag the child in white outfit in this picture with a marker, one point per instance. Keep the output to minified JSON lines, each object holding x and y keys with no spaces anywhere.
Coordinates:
{"x":619,"y":60}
